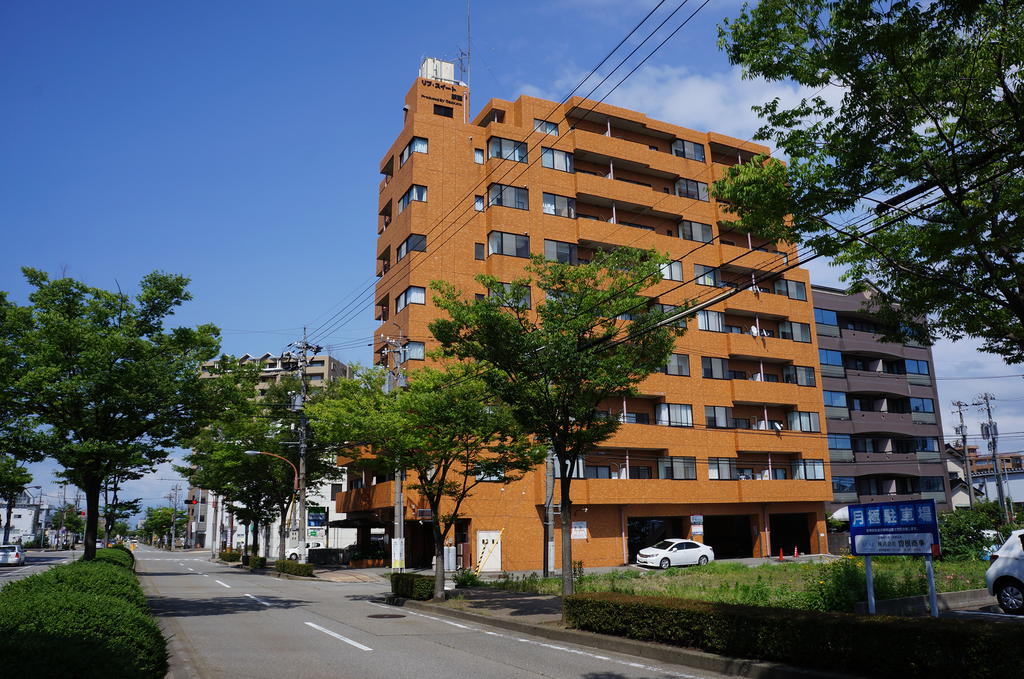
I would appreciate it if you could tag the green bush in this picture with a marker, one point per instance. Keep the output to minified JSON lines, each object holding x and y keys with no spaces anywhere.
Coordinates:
{"x":230,"y":555}
{"x":251,"y":561}
{"x":294,"y":568}
{"x":859,"y":645}
{"x":413,"y":586}
{"x":466,"y":577}
{"x":119,"y":556}
{"x":90,"y":577}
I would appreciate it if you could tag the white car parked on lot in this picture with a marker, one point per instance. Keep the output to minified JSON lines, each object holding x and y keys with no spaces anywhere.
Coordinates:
{"x":293,"y":552}
{"x":1005,"y":574}
{"x":675,"y":552}
{"x":12,"y":555}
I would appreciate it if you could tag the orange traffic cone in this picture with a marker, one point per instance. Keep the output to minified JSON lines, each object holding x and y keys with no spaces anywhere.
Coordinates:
{"x":794,"y":553}
{"x":780,"y":553}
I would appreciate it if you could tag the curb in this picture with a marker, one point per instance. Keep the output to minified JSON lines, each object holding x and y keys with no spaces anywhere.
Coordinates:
{"x":700,"y":660}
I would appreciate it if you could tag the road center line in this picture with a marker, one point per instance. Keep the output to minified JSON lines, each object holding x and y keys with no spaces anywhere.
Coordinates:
{"x":223,"y":583}
{"x":339,"y":637}
{"x":259,"y":600}
{"x":192,"y":569}
{"x":205,"y":575}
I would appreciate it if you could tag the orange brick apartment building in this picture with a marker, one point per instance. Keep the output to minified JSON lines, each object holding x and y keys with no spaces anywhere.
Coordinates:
{"x":727,"y":445}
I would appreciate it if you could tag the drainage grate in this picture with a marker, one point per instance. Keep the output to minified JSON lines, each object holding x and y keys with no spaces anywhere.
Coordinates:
{"x":385,"y":615}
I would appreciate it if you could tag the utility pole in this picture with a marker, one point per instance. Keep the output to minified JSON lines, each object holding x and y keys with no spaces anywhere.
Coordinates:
{"x":394,"y":380}
{"x":549,"y":514}
{"x":172,"y":497}
{"x":961,"y":431}
{"x":303,"y":348}
{"x":990,"y":432}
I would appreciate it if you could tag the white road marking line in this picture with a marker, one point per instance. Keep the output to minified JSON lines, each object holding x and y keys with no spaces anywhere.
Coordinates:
{"x":192,"y":569}
{"x":595,"y":656}
{"x":339,"y":637}
{"x":205,"y":575}
{"x":259,"y":600}
{"x":223,"y":583}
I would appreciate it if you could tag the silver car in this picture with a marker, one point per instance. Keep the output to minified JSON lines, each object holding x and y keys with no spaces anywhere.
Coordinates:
{"x":12,"y":555}
{"x":675,"y":552}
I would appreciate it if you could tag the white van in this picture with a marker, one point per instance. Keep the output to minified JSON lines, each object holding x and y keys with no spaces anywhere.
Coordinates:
{"x":1005,"y":574}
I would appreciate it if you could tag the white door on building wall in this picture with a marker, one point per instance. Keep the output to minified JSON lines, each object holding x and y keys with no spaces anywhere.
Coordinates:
{"x":488,"y":550}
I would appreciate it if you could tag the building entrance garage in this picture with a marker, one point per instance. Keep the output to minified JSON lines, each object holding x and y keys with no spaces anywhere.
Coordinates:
{"x":791,"y":530}
{"x":729,"y":535}
{"x":644,"y":531}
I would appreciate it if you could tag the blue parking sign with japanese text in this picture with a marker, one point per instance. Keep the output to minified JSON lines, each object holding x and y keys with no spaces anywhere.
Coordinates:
{"x":904,"y":528}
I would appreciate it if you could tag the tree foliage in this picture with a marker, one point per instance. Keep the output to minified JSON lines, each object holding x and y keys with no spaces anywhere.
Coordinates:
{"x":931,"y":109}
{"x":555,"y":364}
{"x":109,"y":386}
{"x":13,"y":480}
{"x":446,"y":428}
{"x":158,"y":523}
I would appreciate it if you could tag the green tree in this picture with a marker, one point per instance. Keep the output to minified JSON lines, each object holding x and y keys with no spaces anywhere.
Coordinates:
{"x":111,"y":387}
{"x":67,"y":517}
{"x":446,"y":428}
{"x":931,"y":108}
{"x":556,"y":364}
{"x":13,"y":480}
{"x":158,"y":523}
{"x":260,"y":487}
{"x":961,"y":530}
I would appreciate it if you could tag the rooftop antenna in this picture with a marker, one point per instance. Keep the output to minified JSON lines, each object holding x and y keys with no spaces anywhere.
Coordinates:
{"x":466,"y":60}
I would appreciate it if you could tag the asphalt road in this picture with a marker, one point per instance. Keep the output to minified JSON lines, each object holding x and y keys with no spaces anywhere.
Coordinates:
{"x":36,"y":561}
{"x":224,"y":622}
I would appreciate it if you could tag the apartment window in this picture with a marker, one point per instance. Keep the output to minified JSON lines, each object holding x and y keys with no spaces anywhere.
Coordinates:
{"x":415,"y":193}
{"x":415,"y":145}
{"x":835,"y":399}
{"x":525,"y":301}
{"x":411,"y":295}
{"x":478,"y":156}
{"x":830,"y":357}
{"x":856,"y":363}
{"x":809,"y":470}
{"x":412,"y":351}
{"x":672,"y":271}
{"x":510,"y":244}
{"x":545,"y":126}
{"x":839,"y":442}
{"x":562,"y":206}
{"x":478,"y":203}
{"x":414,"y":243}
{"x":676,"y":468}
{"x":714,"y":368}
{"x":641,"y":472}
{"x":914,"y":367}
{"x":667,"y":309}
{"x":688,"y":188}
{"x":800,"y":421}
{"x":718,"y":417}
{"x":925,"y":444}
{"x":557,"y":251}
{"x":922,"y":405}
{"x":798,"y":374}
{"x":722,"y":468}
{"x":674,"y":415}
{"x":508,"y":149}
{"x":444,"y":111}
{"x":792,"y":289}
{"x":695,"y":231}
{"x":556,"y":160}
{"x":678,"y":364}
{"x":798,"y":332}
{"x":844,"y":484}
{"x":315,"y":377}
{"x":688,"y":149}
{"x":825,"y":317}
{"x":713,"y":321}
{"x":503,"y":195}
{"x":931,"y":484}
{"x":706,"y":275}
{"x":478,"y":251}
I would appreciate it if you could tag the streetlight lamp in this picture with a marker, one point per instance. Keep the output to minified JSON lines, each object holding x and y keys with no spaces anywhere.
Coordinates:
{"x":302,"y":499}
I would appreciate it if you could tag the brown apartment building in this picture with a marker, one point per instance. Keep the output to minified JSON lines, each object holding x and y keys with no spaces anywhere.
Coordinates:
{"x":726,"y":445}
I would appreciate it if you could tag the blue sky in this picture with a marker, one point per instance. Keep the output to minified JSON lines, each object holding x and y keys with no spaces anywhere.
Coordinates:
{"x":238,"y":143}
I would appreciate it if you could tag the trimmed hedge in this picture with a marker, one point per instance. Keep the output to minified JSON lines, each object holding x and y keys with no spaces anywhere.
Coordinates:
{"x":90,"y":577}
{"x":875,"y":646}
{"x":294,"y":567}
{"x":84,"y":619}
{"x":230,"y":555}
{"x":250,"y":561}
{"x":116,"y":555}
{"x":413,"y":586}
